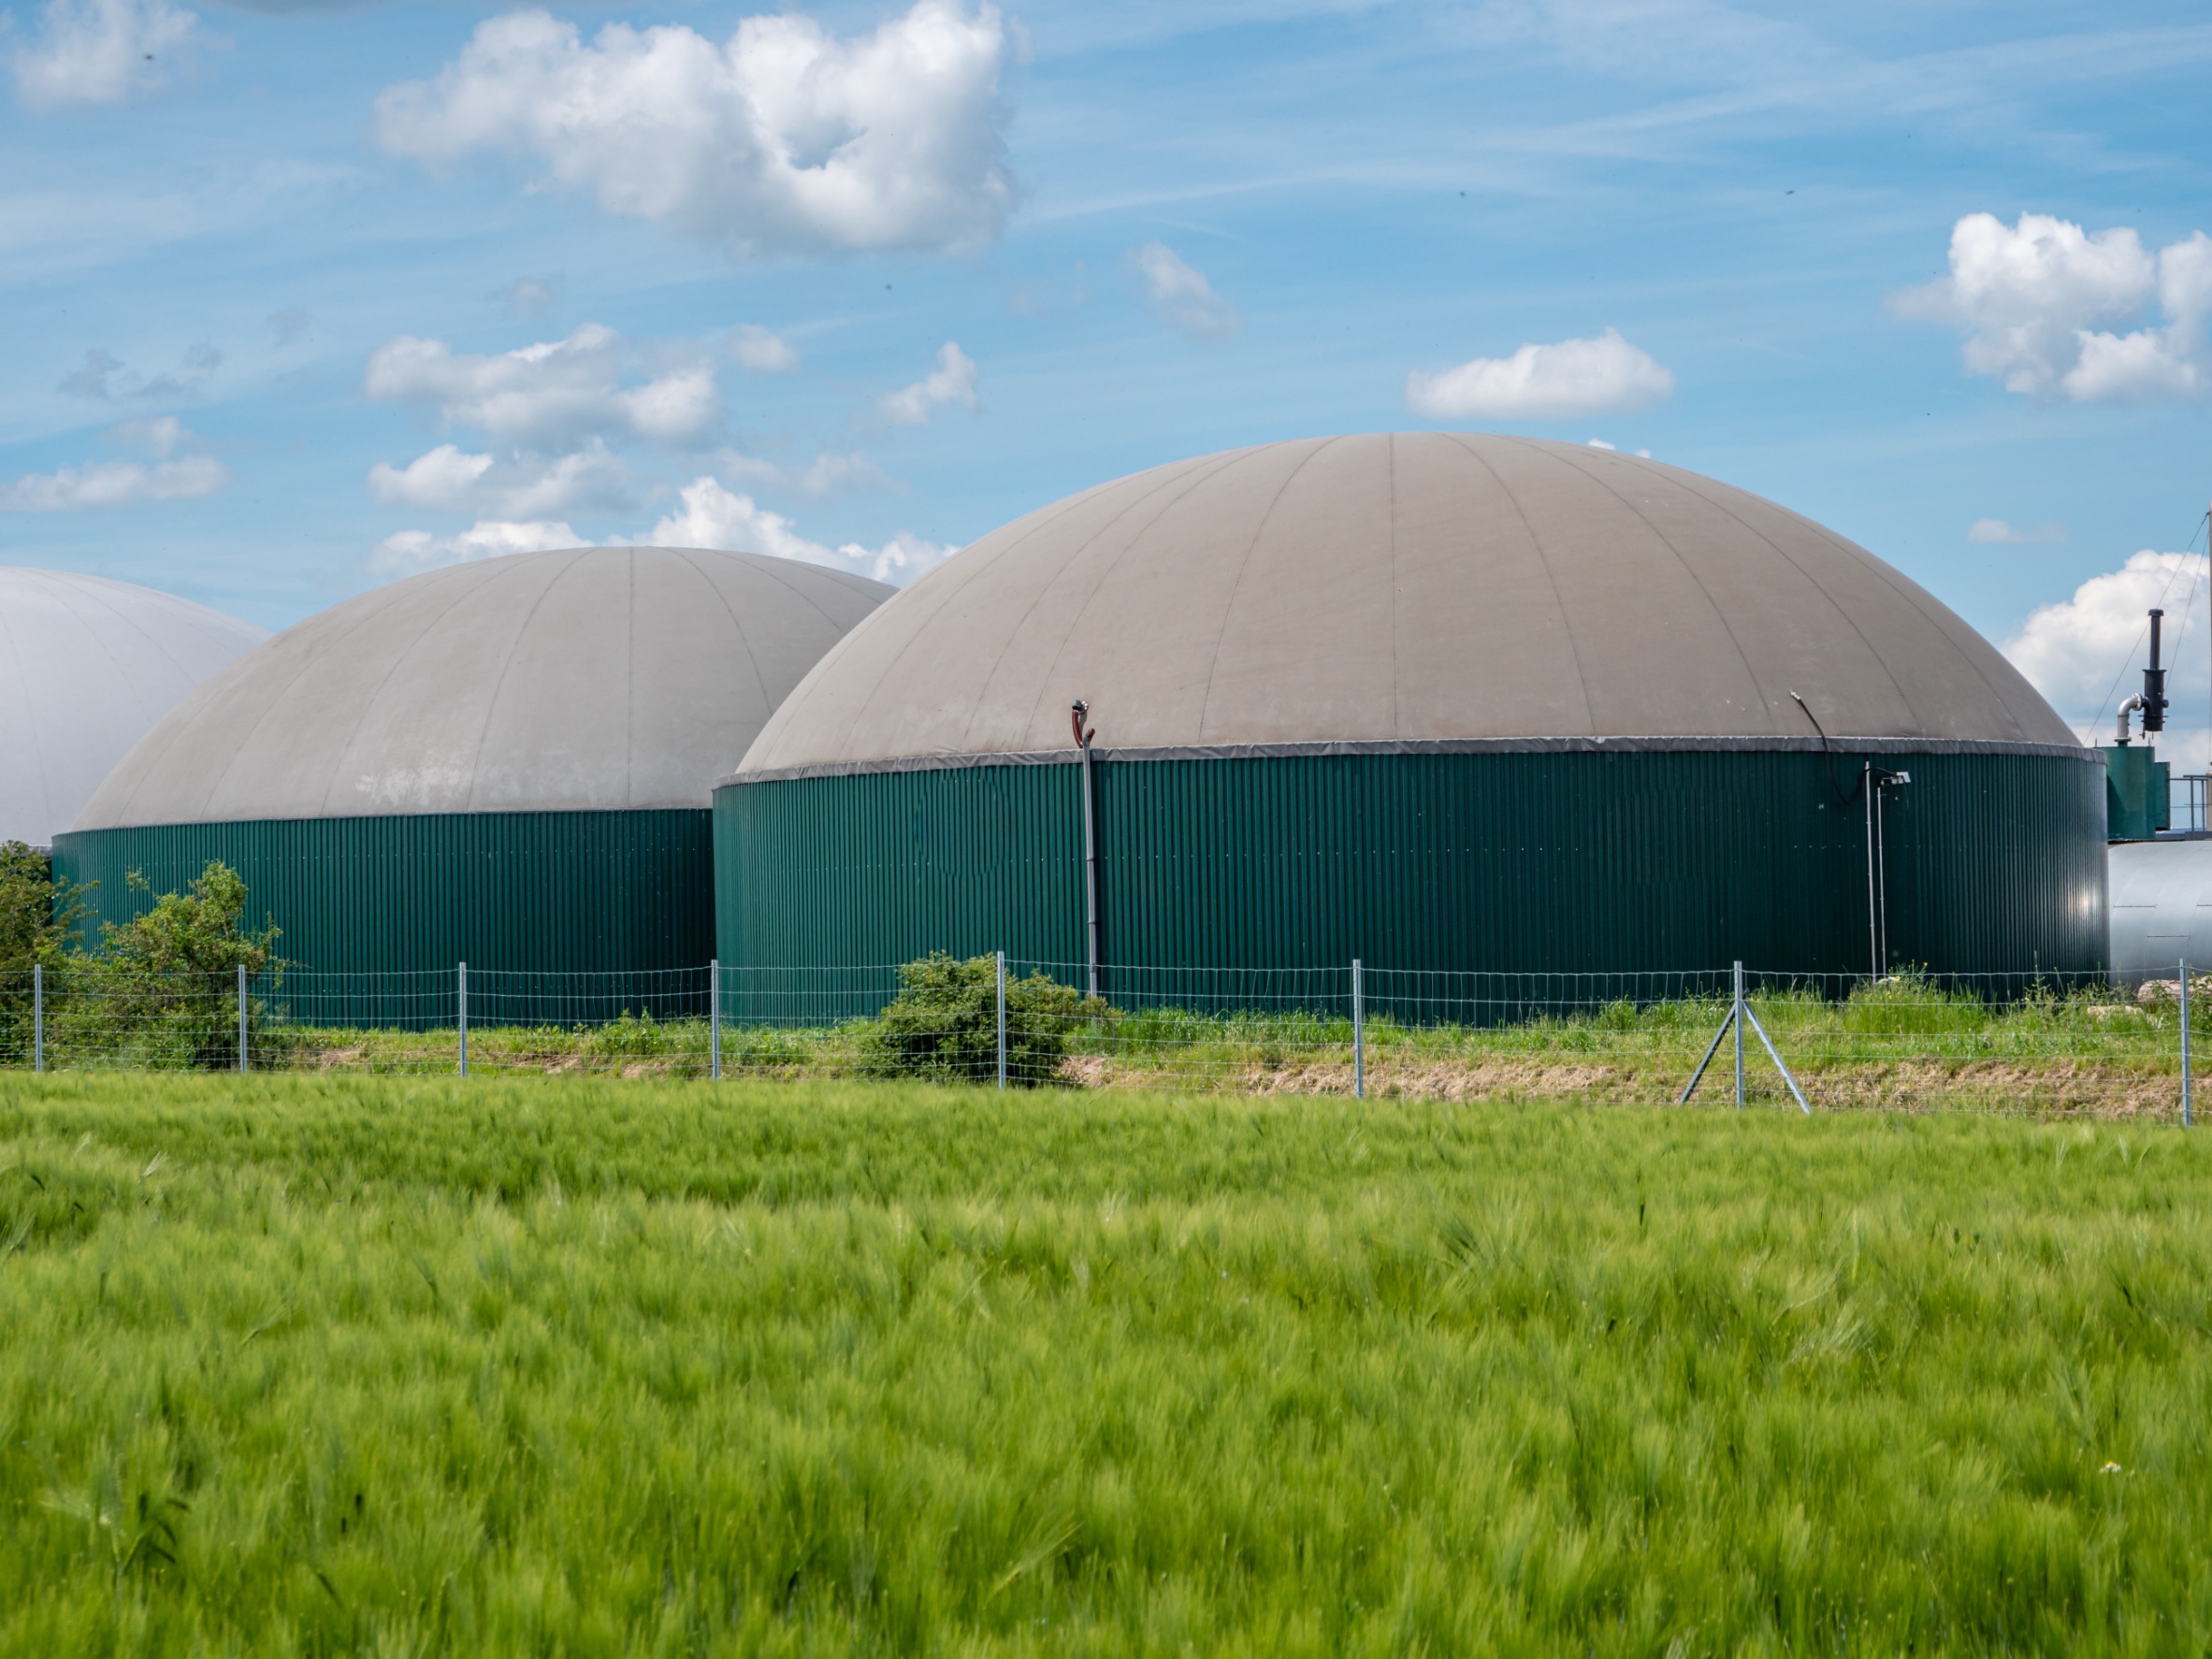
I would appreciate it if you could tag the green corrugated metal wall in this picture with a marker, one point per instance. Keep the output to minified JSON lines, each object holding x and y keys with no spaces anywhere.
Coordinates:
{"x":1612,"y":861}
{"x":625,"y":897}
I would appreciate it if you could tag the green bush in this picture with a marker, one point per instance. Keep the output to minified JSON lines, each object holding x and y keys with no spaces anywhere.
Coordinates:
{"x":36,"y":916}
{"x":944,"y":1023}
{"x":162,"y":990}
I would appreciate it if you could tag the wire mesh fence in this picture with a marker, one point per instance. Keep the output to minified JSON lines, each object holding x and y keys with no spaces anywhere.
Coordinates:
{"x":2017,"y":1042}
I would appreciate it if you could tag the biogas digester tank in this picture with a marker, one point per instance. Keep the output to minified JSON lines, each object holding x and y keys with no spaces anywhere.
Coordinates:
{"x":506,"y":762}
{"x":87,"y":666}
{"x":1438,"y":701}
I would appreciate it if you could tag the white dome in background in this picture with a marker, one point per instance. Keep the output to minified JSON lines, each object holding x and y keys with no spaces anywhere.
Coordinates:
{"x":587,"y":679}
{"x":87,"y":667}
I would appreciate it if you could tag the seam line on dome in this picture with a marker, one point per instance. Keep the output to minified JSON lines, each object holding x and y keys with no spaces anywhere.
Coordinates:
{"x":1875,"y":567}
{"x":1201,"y":474}
{"x":764,"y":563}
{"x":1883,"y":573}
{"x":522,"y":631}
{"x":310,"y":655}
{"x":116,"y":611}
{"x":1213,"y":664}
{"x":1543,"y":563}
{"x":1390,"y":474}
{"x":1566,"y":457}
{"x":629,"y":672}
{"x":743,"y":639}
{"x":915,"y":630}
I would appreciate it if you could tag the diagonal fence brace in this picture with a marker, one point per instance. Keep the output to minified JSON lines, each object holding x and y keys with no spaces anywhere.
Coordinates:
{"x":1711,"y":1048}
{"x":1796,"y":1093}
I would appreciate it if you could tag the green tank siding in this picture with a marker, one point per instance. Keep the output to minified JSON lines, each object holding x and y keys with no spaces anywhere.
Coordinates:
{"x":525,"y":899}
{"x":843,"y":878}
{"x":1540,"y":862}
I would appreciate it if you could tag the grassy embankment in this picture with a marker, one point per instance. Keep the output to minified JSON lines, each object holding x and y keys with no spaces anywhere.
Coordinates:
{"x":339,"y":1364}
{"x":1902,"y":1044}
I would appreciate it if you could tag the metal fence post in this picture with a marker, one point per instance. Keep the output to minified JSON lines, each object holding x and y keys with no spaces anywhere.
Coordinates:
{"x":1359,"y":1035}
{"x":1739,"y":1019}
{"x":2187,"y":1104}
{"x":38,"y":1016}
{"x":714,"y":1017}
{"x":462,"y":988}
{"x":1001,"y":956}
{"x":242,"y":1060}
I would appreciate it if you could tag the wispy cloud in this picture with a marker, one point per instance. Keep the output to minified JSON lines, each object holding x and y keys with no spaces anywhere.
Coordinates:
{"x":114,"y":483}
{"x":100,"y":51}
{"x":103,"y":377}
{"x":830,"y":473}
{"x":1181,"y":296}
{"x":953,"y":380}
{"x":450,"y":480}
{"x":527,"y":297}
{"x":762,"y":351}
{"x":1989,"y":532}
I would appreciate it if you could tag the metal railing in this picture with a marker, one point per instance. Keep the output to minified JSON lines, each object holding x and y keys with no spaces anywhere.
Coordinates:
{"x":2185,"y":804}
{"x":2017,"y":1042}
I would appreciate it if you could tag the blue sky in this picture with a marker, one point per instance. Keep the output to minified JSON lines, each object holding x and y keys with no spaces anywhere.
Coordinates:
{"x":865,"y":281}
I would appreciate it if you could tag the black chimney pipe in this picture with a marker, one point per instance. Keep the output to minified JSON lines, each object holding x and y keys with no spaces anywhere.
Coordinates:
{"x":2154,"y":683}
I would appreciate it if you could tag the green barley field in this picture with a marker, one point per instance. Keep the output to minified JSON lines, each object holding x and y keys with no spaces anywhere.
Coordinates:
{"x":351,"y":1364}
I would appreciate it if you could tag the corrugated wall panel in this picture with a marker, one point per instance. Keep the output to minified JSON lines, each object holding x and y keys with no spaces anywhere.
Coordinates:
{"x":520,"y":897}
{"x":1628,"y":861}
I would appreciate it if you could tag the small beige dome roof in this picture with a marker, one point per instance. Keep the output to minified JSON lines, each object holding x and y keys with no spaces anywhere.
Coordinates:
{"x":1406,"y":589}
{"x":86,"y":666}
{"x":592,"y":679}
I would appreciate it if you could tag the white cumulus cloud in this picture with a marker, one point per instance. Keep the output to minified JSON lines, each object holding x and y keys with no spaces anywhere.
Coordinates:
{"x":1576,"y":377}
{"x":953,"y":380}
{"x":419,"y":550}
{"x":552,"y":395}
{"x":713,"y":515}
{"x":708,"y":514}
{"x":2073,"y":651}
{"x":99,"y":51}
{"x":1181,"y":296}
{"x":783,"y":137}
{"x":2046,"y":306}
{"x":114,"y":483}
{"x":762,"y":351}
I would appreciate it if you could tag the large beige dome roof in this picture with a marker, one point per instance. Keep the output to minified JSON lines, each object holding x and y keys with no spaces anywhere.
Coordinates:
{"x":593,"y":679}
{"x":1401,"y":589}
{"x":86,"y":666}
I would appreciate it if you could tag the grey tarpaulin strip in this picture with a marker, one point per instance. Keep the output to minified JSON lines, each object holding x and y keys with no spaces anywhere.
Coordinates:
{"x":1507,"y":745}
